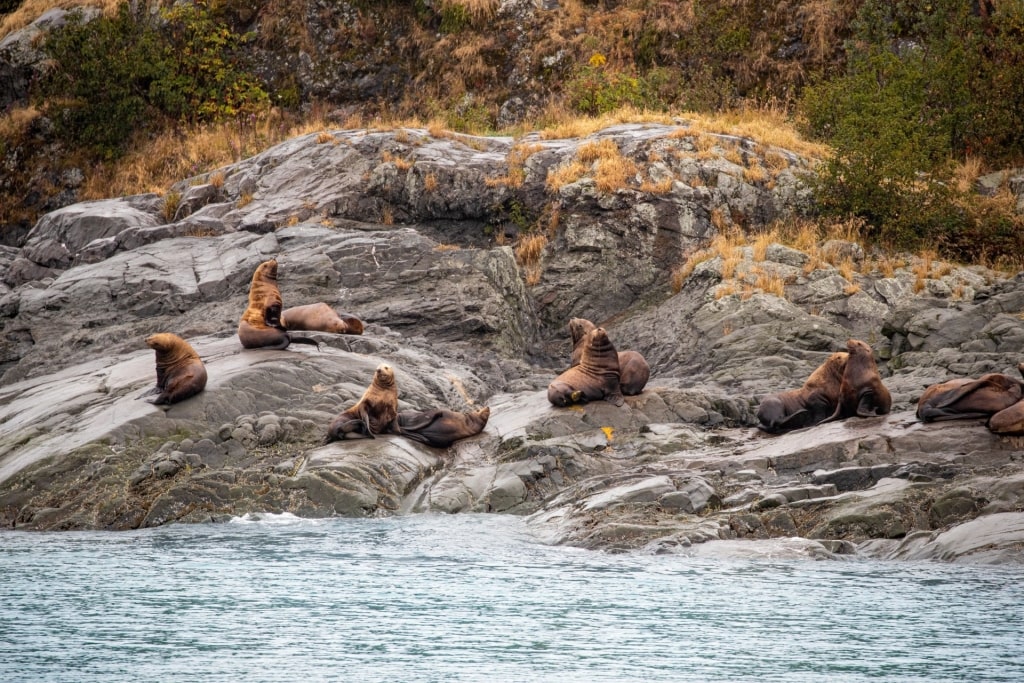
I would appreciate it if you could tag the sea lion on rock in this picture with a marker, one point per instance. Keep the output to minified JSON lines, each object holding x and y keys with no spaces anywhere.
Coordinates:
{"x":634,"y":371}
{"x":180,"y":373}
{"x":595,"y":377}
{"x":320,"y":318}
{"x":965,"y":398}
{"x":260,"y":326}
{"x":812,"y":403}
{"x":375,"y":413}
{"x":441,"y":428}
{"x":1009,"y":421}
{"x":861,"y":392}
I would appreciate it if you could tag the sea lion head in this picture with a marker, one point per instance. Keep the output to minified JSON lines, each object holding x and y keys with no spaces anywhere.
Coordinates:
{"x":856,"y":346}
{"x":578,"y":327}
{"x":266,"y":271}
{"x":162,"y":342}
{"x":384,"y":376}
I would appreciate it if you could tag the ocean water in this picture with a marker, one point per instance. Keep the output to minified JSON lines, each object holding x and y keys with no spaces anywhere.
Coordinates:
{"x":476,"y":598}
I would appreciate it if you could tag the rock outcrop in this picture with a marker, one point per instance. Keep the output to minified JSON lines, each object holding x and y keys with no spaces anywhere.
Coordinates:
{"x":414,"y":234}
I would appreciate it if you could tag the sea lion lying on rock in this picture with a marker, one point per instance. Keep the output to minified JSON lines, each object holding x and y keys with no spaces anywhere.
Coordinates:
{"x":595,"y":377}
{"x":180,"y":373}
{"x":965,"y":398}
{"x":861,"y":392}
{"x":814,"y":402}
{"x":320,"y":317}
{"x":260,"y":326}
{"x":634,"y":371}
{"x":441,"y":428}
{"x":375,"y":413}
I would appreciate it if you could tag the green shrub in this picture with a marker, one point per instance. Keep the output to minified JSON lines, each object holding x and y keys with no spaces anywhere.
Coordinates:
{"x":917,"y":94}
{"x":594,"y":89}
{"x":115,"y":75}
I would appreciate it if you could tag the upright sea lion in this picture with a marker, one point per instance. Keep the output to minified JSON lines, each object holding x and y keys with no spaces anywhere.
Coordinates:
{"x":180,"y":373}
{"x":260,"y":326}
{"x":375,"y":413}
{"x":596,"y":376}
{"x":441,"y":428}
{"x":861,"y":393}
{"x":320,"y":318}
{"x":812,"y":403}
{"x":965,"y":398}
{"x":634,"y":371}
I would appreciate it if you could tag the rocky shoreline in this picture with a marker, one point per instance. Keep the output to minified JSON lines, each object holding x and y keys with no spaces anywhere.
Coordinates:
{"x":413,"y":234}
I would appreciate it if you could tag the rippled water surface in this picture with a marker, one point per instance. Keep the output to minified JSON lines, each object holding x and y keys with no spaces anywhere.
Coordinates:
{"x":474,"y":598}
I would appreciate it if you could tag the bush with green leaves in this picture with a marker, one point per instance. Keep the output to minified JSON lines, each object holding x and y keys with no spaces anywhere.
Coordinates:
{"x":113,"y":76}
{"x":595,"y":89}
{"x":926,"y":83}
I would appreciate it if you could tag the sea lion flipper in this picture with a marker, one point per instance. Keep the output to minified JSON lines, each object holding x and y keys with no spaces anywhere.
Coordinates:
{"x":304,"y":340}
{"x":615,"y":399}
{"x":149,"y":392}
{"x":783,"y":423}
{"x":364,"y":417}
{"x":959,"y":393}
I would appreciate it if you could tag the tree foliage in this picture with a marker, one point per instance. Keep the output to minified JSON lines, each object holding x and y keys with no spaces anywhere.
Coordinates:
{"x":112,"y":76}
{"x":927,"y":83}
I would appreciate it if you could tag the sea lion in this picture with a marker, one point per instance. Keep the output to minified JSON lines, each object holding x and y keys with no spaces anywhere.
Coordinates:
{"x":180,"y":373}
{"x":634,"y":371}
{"x":320,"y":318}
{"x":1009,"y":421}
{"x":965,"y":398}
{"x":260,"y":326}
{"x":812,"y":403}
{"x":375,"y":413}
{"x":861,"y":393}
{"x":441,"y":428}
{"x":596,"y":376}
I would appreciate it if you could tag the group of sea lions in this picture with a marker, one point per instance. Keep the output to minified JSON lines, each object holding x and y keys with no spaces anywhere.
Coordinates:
{"x":847,"y":384}
{"x":995,"y":396}
{"x":266,"y":324}
{"x":596,"y":370}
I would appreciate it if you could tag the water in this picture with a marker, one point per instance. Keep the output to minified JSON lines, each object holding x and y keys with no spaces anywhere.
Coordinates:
{"x":475,"y":598}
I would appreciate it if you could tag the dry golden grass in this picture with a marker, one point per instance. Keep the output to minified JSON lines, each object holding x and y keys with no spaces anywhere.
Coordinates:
{"x":967,"y":173}
{"x":776,"y":161}
{"x":771,"y":283}
{"x":718,"y":219}
{"x":528,"y":253}
{"x":682,"y":272}
{"x":402,"y":136}
{"x":216,"y":179}
{"x":400,"y":163}
{"x":846,"y":268}
{"x":614,"y":173}
{"x":15,"y":122}
{"x":477,"y":10}
{"x":729,"y":265}
{"x":387,"y":216}
{"x":663,"y":186}
{"x":762,"y":242}
{"x":324,"y":137}
{"x":560,"y":176}
{"x":447,"y":247}
{"x":589,"y":152}
{"x":292,"y":220}
{"x":725,"y":289}
{"x":170,"y":207}
{"x":430,"y":182}
{"x":244,"y":200}
{"x":734,"y":156}
{"x":755,"y":173}
{"x":30,"y":10}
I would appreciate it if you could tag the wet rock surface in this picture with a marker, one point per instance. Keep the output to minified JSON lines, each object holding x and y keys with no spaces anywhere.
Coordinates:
{"x":678,"y":468}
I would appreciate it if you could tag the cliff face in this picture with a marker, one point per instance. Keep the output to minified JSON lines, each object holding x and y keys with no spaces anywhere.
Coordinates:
{"x":423,"y":238}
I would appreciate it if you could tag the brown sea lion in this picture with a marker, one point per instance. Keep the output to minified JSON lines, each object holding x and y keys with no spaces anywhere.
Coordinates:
{"x":180,"y":373}
{"x":320,"y":318}
{"x":260,"y":326}
{"x":375,"y":413}
{"x":812,"y":403}
{"x":1009,"y":421}
{"x":965,"y":398}
{"x":596,"y":376}
{"x":634,"y":371}
{"x":861,"y":393}
{"x":441,"y":428}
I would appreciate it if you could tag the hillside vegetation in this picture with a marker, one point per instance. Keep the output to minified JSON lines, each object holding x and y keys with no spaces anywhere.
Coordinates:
{"x":914,"y":99}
